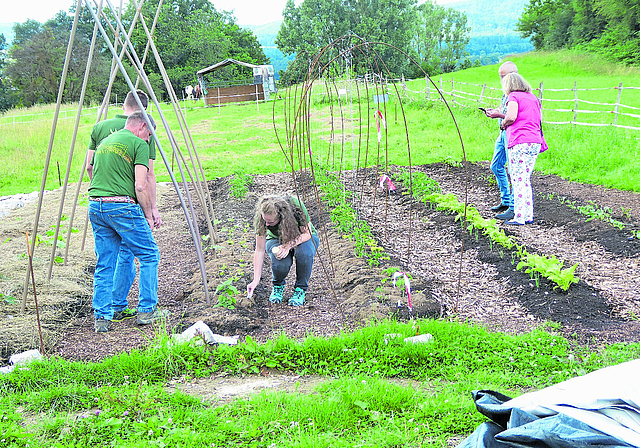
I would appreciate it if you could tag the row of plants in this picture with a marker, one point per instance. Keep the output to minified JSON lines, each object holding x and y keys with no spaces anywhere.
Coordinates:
{"x":428,"y":191}
{"x":594,"y":211}
{"x":346,"y":218}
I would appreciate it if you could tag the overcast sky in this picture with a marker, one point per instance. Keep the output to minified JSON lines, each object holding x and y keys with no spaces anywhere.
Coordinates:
{"x":247,"y":12}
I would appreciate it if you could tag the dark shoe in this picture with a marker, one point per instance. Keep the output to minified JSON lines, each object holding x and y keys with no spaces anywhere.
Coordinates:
{"x":276,"y":294}
{"x":121,"y":315}
{"x":499,"y":208}
{"x":297,"y":299}
{"x":514,"y":223}
{"x":506,"y":215}
{"x":102,"y":325}
{"x":152,"y":316}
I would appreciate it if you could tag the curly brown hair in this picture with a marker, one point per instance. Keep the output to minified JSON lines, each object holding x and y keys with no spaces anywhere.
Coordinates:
{"x":290,"y":217}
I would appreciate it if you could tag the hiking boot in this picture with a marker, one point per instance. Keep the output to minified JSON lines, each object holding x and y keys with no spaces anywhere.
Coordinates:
{"x":126,"y":313}
{"x":102,"y":325}
{"x":276,"y":294}
{"x":297,"y":299}
{"x":152,"y":316}
{"x":506,"y":215}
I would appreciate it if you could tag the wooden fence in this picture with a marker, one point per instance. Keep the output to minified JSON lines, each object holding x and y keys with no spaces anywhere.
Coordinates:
{"x":601,"y":106}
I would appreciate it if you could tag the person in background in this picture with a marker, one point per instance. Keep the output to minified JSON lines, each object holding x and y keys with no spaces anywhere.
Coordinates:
{"x":120,"y":212}
{"x":284,"y":231}
{"x":525,"y":141}
{"x":504,"y":209}
{"x":125,"y":272}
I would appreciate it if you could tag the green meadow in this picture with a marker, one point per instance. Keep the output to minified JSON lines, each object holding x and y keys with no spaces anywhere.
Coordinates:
{"x":375,"y":390}
{"x":241,"y":138}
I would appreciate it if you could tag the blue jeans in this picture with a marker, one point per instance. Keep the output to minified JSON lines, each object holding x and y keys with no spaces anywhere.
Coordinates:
{"x":123,"y":278}
{"x":115,"y":224}
{"x":304,"y":254}
{"x":497,"y":166}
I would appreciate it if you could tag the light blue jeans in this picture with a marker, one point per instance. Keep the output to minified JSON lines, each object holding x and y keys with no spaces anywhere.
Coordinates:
{"x":498,"y":162}
{"x":303,"y":254}
{"x":123,"y":278}
{"x":116,"y":224}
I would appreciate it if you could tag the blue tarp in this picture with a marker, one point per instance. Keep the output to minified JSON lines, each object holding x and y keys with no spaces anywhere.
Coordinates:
{"x":601,"y":409}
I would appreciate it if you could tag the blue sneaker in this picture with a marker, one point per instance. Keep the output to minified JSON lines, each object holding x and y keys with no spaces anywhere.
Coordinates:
{"x":297,"y":299}
{"x":276,"y":294}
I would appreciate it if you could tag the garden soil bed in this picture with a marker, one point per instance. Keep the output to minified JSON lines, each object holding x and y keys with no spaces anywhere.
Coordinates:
{"x":456,"y":275}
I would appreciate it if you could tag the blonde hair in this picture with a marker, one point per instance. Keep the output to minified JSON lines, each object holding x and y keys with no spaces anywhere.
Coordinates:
{"x":513,"y":82}
{"x":289,"y":217}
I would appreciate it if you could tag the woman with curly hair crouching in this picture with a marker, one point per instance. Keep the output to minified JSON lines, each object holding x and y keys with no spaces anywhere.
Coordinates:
{"x":284,"y":231}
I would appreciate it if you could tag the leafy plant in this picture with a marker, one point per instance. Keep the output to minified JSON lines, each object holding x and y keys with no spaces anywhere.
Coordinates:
{"x":550,"y":268}
{"x":7,"y":298}
{"x":239,"y":184}
{"x":227,"y":293}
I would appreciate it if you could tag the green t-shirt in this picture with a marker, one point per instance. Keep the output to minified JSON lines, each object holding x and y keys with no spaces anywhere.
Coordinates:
{"x":273,"y":233}
{"x":114,"y":164}
{"x":105,"y":128}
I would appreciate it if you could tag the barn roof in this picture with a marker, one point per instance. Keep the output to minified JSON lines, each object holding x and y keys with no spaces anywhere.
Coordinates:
{"x":224,"y":63}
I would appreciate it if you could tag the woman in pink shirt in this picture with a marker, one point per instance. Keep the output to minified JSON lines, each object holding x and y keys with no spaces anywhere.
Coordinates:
{"x":524,"y":140}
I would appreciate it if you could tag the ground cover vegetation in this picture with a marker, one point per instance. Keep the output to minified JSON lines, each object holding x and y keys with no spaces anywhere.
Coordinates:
{"x":125,"y":401}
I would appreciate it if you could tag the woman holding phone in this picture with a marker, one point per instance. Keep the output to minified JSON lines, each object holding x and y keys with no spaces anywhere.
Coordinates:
{"x":525,"y":141}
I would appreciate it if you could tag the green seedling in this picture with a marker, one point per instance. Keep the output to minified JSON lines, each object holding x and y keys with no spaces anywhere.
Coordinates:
{"x":7,"y":298}
{"x":227,"y":293}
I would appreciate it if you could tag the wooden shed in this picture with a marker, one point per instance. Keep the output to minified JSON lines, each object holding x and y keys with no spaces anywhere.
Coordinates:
{"x":258,"y":88}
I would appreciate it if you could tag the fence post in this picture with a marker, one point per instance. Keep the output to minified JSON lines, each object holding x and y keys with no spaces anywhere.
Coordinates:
{"x":426,"y":79}
{"x":453,"y":95}
{"x":540,"y":92}
{"x":484,"y":86}
{"x":575,"y":106}
{"x":615,"y":110}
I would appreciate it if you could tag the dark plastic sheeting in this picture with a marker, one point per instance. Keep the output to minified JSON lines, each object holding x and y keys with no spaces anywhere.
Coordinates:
{"x":512,"y":427}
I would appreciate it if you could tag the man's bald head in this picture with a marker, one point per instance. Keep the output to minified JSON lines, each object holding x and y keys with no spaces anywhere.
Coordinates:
{"x":506,"y":68}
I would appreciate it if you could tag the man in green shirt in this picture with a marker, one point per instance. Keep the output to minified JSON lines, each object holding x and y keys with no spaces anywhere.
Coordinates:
{"x":125,"y":272}
{"x":120,"y":211}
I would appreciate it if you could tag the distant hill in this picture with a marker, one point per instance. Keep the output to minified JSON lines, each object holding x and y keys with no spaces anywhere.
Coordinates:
{"x":266,"y":35}
{"x":493,"y":29}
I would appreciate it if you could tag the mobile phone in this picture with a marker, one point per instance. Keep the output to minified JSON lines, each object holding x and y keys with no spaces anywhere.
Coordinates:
{"x":483,"y":109}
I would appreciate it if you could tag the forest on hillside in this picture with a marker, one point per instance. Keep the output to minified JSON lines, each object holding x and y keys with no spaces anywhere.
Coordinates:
{"x":608,"y":27}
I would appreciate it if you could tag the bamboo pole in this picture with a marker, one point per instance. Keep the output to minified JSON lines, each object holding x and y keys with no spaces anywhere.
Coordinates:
{"x":207,"y":206}
{"x":70,"y":159}
{"x":56,"y":114}
{"x":192,"y":224}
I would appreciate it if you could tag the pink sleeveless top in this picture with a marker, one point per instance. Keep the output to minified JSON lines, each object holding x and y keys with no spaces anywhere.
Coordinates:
{"x":526,"y":128}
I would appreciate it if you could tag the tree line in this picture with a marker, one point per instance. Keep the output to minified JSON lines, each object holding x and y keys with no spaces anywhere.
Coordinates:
{"x":608,"y":27}
{"x":192,"y":34}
